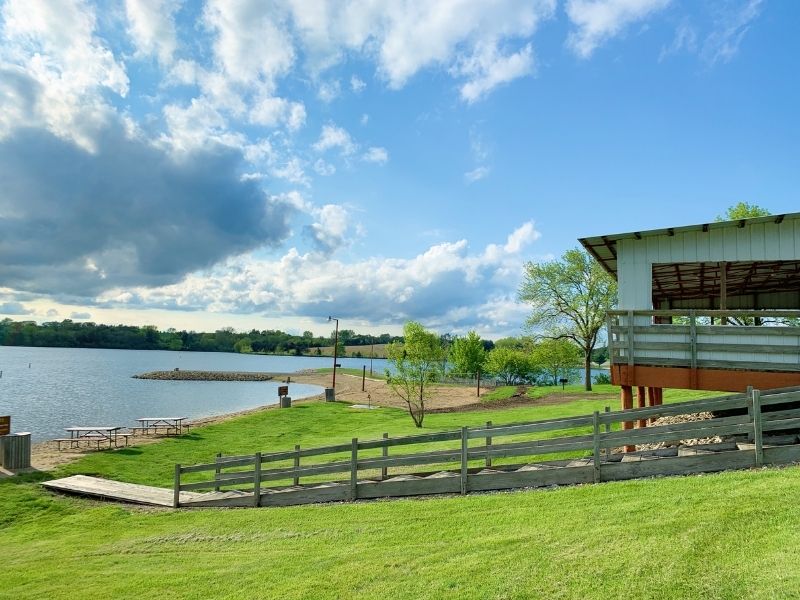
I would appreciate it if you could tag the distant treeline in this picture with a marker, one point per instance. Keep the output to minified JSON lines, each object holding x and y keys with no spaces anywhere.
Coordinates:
{"x":69,"y":334}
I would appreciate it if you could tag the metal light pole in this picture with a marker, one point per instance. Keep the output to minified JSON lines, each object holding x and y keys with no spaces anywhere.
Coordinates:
{"x":335,"y":348}
{"x":371,"y":353}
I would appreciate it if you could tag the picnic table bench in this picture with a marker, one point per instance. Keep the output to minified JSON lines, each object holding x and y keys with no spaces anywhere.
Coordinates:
{"x":171,"y":425}
{"x":94,"y":434}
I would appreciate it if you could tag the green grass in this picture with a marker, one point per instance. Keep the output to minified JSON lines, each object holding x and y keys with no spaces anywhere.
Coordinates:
{"x":720,"y":536}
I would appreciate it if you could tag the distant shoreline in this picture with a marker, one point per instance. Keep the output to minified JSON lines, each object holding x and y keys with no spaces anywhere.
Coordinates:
{"x":182,"y":375}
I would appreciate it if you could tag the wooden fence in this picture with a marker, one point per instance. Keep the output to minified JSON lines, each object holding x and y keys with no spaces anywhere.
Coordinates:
{"x":689,"y":338}
{"x":469,"y":460}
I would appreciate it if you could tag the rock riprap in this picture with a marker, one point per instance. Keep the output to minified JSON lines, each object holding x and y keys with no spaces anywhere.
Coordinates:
{"x":181,"y":375}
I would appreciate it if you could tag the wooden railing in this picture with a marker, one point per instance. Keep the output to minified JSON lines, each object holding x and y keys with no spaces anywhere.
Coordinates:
{"x":764,"y":340}
{"x":593,"y":436}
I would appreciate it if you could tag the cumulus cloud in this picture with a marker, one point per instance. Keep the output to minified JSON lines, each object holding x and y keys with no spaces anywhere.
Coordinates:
{"x":376,"y":155}
{"x":135,"y":215}
{"x":489,"y":68}
{"x":324,"y":168}
{"x":333,"y":136}
{"x":151,"y":26}
{"x":597,"y":21}
{"x":357,"y":84}
{"x":14,"y":308}
{"x":80,"y":316}
{"x":329,"y":232}
{"x":447,"y":284}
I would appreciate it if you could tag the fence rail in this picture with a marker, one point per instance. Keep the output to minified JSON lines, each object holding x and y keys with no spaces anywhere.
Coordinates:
{"x":763,"y":340}
{"x":593,"y":435}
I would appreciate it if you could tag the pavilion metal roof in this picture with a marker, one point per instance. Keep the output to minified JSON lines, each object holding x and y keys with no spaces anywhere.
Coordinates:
{"x":604,"y":247}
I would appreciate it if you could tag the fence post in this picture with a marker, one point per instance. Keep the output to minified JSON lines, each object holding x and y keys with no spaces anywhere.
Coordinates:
{"x":596,"y":439}
{"x":757,"y":432}
{"x":354,"y":469}
{"x":176,"y":489}
{"x":217,"y":471}
{"x":693,"y":341}
{"x":464,"y":456}
{"x":385,"y":454}
{"x":296,"y":464}
{"x":630,"y":338}
{"x":257,"y":481}
{"x":479,"y":383}
{"x":750,"y":436}
{"x":608,"y":430}
{"x":488,"y":445}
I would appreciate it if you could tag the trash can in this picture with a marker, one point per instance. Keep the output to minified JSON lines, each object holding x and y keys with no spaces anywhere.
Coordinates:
{"x":330,"y":395}
{"x":15,"y":451}
{"x":286,"y":402}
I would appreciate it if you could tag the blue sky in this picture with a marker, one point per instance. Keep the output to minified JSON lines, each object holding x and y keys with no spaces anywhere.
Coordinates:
{"x":266,"y":164}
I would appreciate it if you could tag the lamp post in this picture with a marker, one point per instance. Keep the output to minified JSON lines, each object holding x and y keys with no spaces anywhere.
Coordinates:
{"x":371,"y":353}
{"x":335,"y":348}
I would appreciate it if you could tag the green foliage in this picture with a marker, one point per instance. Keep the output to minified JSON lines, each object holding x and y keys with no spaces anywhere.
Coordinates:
{"x":68,"y":334}
{"x":511,"y":366}
{"x":743,"y":210}
{"x":602,"y":378}
{"x":570,"y":298}
{"x":556,"y":358}
{"x":417,"y":361}
{"x":468,"y":355}
{"x":243,"y":346}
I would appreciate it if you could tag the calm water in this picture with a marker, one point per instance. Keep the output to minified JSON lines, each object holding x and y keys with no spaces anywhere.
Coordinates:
{"x":76,"y":386}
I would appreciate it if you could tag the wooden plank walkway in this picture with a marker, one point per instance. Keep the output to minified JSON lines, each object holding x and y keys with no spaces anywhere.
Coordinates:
{"x":119,"y":491}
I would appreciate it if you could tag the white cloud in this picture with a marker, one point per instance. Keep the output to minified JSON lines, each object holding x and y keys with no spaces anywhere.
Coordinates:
{"x":55,"y":45}
{"x":333,"y":136}
{"x":252,"y":42}
{"x":329,"y":232}
{"x":364,"y":119}
{"x":446,"y":285}
{"x":730,"y":28}
{"x":328,"y":91}
{"x":476,"y":174}
{"x":292,"y":171}
{"x":271,"y":111}
{"x":357,"y":84}
{"x":324,"y":168}
{"x":488,"y":68}
{"x":597,"y":21}
{"x":376,"y":155}
{"x":685,"y":40}
{"x":151,"y":25}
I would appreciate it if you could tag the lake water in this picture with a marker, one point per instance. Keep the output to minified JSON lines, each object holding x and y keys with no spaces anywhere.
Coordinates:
{"x":80,"y":386}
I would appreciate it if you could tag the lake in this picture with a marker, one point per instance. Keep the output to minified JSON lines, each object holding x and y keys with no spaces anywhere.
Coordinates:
{"x":82,"y":386}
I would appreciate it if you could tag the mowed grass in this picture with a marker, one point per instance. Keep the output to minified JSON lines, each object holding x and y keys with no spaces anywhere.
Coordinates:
{"x":728,"y":535}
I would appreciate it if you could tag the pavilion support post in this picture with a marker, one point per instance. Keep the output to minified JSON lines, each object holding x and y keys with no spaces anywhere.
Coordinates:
{"x":723,"y":290}
{"x":626,"y":395}
{"x":651,"y":400}
{"x":641,"y":399}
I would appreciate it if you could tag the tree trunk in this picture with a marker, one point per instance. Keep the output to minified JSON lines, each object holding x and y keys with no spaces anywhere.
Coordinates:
{"x":587,"y":365}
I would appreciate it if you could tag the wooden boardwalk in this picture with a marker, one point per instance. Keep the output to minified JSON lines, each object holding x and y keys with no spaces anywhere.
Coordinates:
{"x":119,"y":491}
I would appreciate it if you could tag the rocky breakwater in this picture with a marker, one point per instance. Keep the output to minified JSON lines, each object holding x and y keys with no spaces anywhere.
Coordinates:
{"x":180,"y":375}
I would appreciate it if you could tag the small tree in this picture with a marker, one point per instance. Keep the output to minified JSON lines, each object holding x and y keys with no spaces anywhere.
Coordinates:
{"x":510,"y":366}
{"x":743,"y":210}
{"x":417,"y":362}
{"x":467,"y":354}
{"x":557,"y":358}
{"x":570,"y":298}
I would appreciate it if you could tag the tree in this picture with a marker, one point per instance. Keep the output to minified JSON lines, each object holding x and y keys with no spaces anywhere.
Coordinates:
{"x":510,"y":366}
{"x":570,"y":298}
{"x":743,"y":210}
{"x":417,"y":361}
{"x":467,"y":354}
{"x":243,"y":346}
{"x":557,"y":358}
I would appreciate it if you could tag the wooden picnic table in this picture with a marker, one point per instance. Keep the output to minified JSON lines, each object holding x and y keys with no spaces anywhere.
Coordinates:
{"x":153,"y":424}
{"x":93,"y":433}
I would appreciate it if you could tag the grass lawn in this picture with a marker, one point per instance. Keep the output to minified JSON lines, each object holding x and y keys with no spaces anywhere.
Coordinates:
{"x":728,"y":535}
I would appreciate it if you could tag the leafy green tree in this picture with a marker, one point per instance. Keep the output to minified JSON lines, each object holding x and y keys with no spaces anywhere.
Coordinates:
{"x":417,"y":361}
{"x":570,"y":298}
{"x":557,"y":358}
{"x":243,"y":346}
{"x":510,"y":366}
{"x":467,"y":354}
{"x":743,"y":210}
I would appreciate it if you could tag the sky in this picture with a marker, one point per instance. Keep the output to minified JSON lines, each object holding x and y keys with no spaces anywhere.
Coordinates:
{"x":256,"y":164}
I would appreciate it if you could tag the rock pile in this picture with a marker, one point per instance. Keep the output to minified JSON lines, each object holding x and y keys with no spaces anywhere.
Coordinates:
{"x":704,"y":416}
{"x":178,"y":375}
